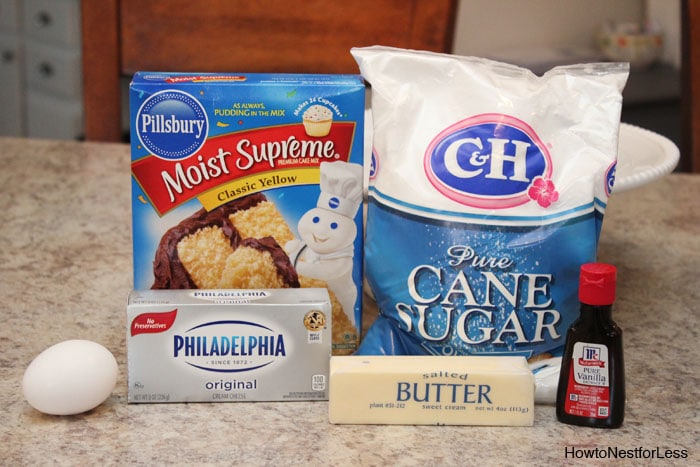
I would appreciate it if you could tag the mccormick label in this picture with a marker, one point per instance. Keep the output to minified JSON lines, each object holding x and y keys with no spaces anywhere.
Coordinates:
{"x":589,"y":382}
{"x":228,"y":345}
{"x":250,"y":181}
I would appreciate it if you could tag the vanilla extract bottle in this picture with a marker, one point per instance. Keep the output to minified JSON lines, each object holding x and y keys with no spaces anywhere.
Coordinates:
{"x":591,"y":389}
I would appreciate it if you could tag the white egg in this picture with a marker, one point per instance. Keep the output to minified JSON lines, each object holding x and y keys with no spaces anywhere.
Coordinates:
{"x":70,"y":377}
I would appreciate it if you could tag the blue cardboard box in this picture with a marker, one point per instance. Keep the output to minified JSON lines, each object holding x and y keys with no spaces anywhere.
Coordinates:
{"x":248,"y":181}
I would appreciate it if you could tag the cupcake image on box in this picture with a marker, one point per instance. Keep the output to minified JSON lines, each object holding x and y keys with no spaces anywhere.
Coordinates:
{"x":317,"y":120}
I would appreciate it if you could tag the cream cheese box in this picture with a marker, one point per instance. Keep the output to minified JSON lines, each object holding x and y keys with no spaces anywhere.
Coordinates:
{"x":431,"y":390}
{"x":228,"y":345}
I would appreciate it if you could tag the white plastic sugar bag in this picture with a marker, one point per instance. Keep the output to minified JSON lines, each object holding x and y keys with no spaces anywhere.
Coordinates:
{"x":487,"y":193}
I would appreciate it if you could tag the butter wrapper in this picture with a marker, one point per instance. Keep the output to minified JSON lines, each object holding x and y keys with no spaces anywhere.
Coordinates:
{"x":431,"y":390}
{"x":228,"y":345}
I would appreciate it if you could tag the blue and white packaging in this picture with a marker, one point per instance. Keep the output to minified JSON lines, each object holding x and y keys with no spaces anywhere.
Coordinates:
{"x":487,"y":191}
{"x":246,"y":181}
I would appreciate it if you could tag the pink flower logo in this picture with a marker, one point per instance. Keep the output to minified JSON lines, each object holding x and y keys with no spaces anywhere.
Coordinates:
{"x":542,"y":190}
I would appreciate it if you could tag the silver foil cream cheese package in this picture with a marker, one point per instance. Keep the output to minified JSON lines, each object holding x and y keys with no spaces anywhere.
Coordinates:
{"x":228,"y":345}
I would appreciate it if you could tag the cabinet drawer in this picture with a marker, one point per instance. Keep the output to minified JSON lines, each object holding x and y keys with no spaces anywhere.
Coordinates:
{"x":53,"y":21}
{"x":9,"y":15}
{"x":53,"y":117}
{"x":274,"y":35}
{"x":53,"y":69}
{"x":12,"y":88}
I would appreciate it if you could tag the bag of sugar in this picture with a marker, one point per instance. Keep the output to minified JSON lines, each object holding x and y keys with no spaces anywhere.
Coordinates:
{"x":487,"y":191}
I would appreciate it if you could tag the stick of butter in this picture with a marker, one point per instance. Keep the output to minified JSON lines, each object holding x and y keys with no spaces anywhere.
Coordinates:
{"x":430,"y":390}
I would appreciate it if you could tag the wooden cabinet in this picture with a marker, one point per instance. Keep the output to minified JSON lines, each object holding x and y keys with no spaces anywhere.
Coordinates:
{"x":12,"y":89}
{"x":690,"y":102}
{"x":11,"y":60}
{"x":311,"y":36}
{"x":40,"y":68}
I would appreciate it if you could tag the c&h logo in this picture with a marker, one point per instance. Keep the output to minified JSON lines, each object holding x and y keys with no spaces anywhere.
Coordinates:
{"x":491,"y":161}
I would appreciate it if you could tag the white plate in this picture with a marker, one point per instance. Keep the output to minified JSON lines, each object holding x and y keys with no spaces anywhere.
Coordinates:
{"x":643,"y":156}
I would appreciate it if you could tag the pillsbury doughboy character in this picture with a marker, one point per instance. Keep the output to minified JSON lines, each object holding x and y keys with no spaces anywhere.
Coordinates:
{"x":325,"y":250}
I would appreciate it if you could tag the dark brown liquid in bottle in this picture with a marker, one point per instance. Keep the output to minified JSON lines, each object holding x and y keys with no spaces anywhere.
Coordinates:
{"x":593,"y":328}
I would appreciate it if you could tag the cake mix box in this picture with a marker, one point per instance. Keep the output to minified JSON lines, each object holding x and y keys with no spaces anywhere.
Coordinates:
{"x":246,"y":181}
{"x":228,"y":345}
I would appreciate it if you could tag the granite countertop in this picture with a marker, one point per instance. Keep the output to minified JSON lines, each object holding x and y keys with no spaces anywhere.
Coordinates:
{"x":65,"y":271}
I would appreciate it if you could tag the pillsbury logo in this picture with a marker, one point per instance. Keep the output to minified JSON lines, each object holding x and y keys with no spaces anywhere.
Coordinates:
{"x":172,"y":125}
{"x":491,"y":161}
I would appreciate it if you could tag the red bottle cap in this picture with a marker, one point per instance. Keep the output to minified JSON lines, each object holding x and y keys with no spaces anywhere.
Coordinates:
{"x":597,"y":284}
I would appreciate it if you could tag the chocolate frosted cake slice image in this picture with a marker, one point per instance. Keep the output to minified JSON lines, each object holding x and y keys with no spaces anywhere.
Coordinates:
{"x":232,"y":246}
{"x":258,"y":263}
{"x":237,"y":246}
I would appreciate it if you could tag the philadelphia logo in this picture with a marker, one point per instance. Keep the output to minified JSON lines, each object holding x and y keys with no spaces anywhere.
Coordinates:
{"x":491,"y":161}
{"x":229,"y":346}
{"x":172,"y":124}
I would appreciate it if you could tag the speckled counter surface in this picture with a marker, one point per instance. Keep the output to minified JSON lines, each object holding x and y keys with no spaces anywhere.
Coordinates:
{"x":65,"y":271}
